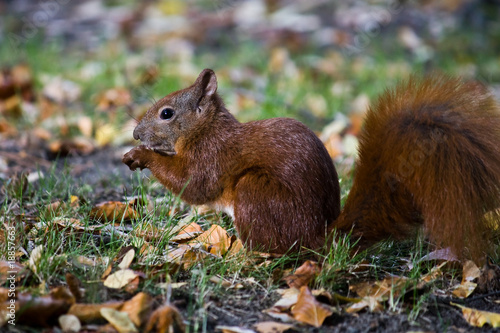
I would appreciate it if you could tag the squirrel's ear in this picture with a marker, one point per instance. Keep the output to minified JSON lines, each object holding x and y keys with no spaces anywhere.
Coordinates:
{"x":207,"y":82}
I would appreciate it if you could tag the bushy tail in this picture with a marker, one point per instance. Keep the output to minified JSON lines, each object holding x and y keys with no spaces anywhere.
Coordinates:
{"x":429,"y":154}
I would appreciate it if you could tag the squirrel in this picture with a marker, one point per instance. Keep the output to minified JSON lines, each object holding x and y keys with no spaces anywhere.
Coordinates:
{"x":429,"y":156}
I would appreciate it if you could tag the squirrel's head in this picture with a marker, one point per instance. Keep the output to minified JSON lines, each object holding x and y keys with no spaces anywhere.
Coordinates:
{"x":179,"y":115}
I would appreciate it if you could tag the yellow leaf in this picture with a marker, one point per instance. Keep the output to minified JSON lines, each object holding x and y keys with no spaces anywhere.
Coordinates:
{"x":479,"y":318}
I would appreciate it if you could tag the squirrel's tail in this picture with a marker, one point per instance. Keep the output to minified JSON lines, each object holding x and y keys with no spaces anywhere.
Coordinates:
{"x":429,"y":154}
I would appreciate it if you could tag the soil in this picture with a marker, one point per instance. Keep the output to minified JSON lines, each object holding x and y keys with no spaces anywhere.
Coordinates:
{"x":243,"y":307}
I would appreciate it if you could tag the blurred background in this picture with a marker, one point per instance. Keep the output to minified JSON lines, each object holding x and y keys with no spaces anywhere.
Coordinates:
{"x":75,"y":75}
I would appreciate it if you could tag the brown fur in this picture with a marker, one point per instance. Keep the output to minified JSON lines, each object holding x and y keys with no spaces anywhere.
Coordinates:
{"x":429,"y":154}
{"x":276,"y":174}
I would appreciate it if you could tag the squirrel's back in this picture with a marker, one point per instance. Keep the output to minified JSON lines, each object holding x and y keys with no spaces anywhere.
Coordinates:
{"x":429,"y":154}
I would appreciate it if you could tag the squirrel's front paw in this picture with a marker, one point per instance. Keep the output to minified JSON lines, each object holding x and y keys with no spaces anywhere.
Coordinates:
{"x":136,"y":158}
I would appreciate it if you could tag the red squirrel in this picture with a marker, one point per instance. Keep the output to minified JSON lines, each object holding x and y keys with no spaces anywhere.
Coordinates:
{"x":429,"y":156}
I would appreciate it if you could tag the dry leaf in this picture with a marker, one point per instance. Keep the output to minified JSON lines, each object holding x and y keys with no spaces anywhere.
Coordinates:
{"x":467,"y":287}
{"x":9,"y":267}
{"x":464,"y":289}
{"x":35,"y":257}
{"x":272,"y":327}
{"x":216,"y":240}
{"x":111,"y":210}
{"x":308,"y":310}
{"x":43,"y":310}
{"x":234,"y":329}
{"x":276,"y":314}
{"x":303,"y":275}
{"x":489,"y":281}
{"x":78,"y":146}
{"x":166,"y":319}
{"x":479,"y":318}
{"x":87,"y":313}
{"x":185,"y":255}
{"x":127,"y":259}
{"x":120,"y":279}
{"x":236,"y":247}
{"x":187,"y":232}
{"x":288,"y":299}
{"x":74,"y":286}
{"x":69,"y":323}
{"x":120,"y":320}
{"x":138,"y":308}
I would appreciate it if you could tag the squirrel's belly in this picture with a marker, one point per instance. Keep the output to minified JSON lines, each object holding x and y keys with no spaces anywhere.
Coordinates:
{"x":225,"y":207}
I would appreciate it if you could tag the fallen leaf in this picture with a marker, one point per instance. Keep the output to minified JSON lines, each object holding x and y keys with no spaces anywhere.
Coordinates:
{"x":308,"y":310}
{"x":288,"y":298}
{"x":74,"y":286}
{"x":111,"y":210}
{"x":137,"y":308}
{"x":233,"y":329}
{"x":479,"y":318}
{"x":467,"y":287}
{"x":40,"y":311}
{"x":489,"y":281}
{"x":303,"y":275}
{"x":120,"y":320}
{"x":127,"y":259}
{"x":88,"y":313}
{"x":190,"y":231}
{"x":216,"y":240}
{"x":7,"y":268}
{"x":120,"y":279}
{"x":166,"y":319}
{"x":35,"y":258}
{"x":272,"y":327}
{"x":77,"y":146}
{"x":70,"y":323}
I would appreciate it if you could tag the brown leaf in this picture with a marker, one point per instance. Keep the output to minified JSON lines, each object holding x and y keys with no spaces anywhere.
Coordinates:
{"x":138,"y":308}
{"x":308,"y":310}
{"x":74,"y":286}
{"x":303,"y":275}
{"x":42,"y":311}
{"x":9,"y":269}
{"x":111,"y":210}
{"x":190,"y":231}
{"x":215,"y":239}
{"x":77,"y":146}
{"x":166,"y":319}
{"x":88,"y":313}
{"x":120,"y":320}
{"x":272,"y":327}
{"x":489,"y":281}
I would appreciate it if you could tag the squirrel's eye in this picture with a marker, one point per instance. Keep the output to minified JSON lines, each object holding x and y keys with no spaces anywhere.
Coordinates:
{"x":167,"y":113}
